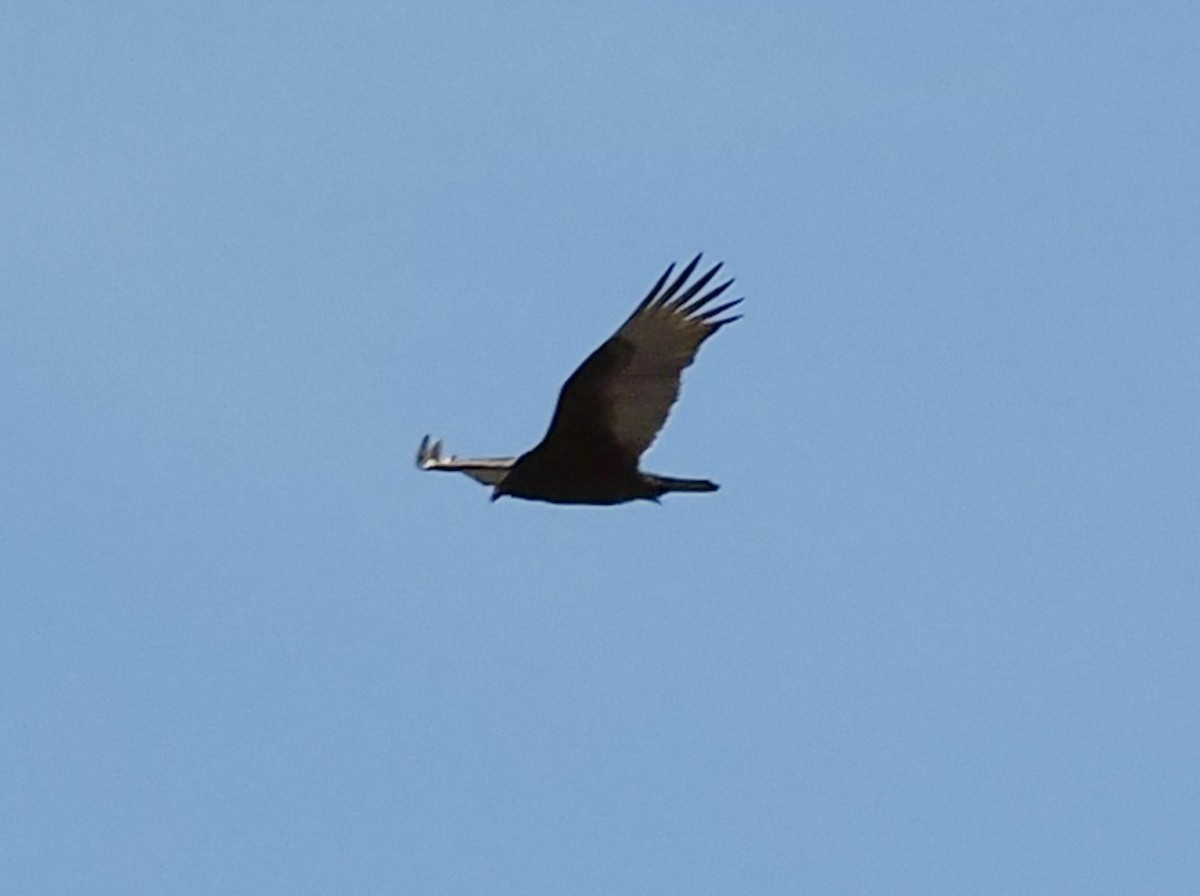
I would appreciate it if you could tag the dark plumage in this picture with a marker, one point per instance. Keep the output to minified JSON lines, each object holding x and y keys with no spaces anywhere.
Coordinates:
{"x":613,"y":406}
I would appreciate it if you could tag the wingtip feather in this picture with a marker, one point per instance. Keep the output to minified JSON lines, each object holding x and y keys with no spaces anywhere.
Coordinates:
{"x":679,"y":281}
{"x":720,"y":309}
{"x":653,"y":293}
{"x":692,"y":291}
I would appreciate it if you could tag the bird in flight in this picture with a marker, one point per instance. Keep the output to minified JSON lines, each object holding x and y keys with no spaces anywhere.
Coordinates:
{"x":612,"y":407}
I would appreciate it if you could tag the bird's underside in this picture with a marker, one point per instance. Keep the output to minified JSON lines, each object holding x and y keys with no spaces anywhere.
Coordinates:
{"x":611,"y":408}
{"x":582,"y":485}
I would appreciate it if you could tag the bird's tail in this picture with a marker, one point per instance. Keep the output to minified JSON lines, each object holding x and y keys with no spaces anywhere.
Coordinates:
{"x":671,"y":484}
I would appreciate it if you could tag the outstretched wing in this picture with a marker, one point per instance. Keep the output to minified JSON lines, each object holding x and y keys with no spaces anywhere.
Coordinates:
{"x":624,"y":391}
{"x":488,"y":470}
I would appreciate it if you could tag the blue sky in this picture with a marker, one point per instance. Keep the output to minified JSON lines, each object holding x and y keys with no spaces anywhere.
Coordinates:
{"x":938,"y":631}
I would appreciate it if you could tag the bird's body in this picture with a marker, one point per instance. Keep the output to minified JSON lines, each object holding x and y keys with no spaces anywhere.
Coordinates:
{"x":612,"y":407}
{"x":599,"y":477}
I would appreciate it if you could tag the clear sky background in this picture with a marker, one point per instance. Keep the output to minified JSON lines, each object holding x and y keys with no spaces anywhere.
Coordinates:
{"x":937,"y":634}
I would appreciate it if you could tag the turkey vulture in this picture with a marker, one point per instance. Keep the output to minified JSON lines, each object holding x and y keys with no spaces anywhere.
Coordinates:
{"x":612,"y":408}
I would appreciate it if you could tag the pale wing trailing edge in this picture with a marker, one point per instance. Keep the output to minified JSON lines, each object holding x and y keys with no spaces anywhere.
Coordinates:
{"x":488,"y":470}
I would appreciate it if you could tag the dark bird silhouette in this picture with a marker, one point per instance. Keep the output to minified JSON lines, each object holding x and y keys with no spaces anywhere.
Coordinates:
{"x":612,"y":407}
